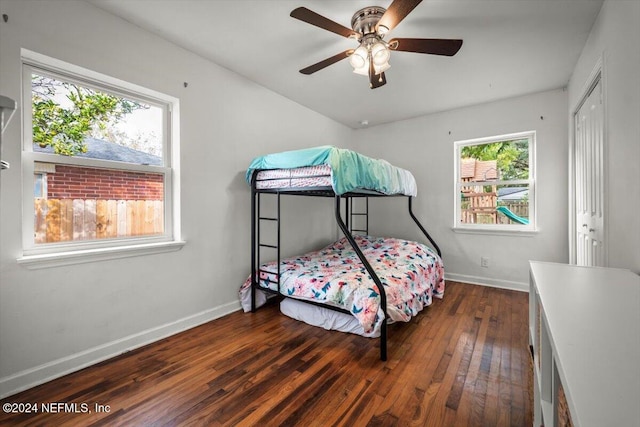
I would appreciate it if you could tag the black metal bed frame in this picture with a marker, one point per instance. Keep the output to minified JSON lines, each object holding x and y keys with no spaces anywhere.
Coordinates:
{"x":346,"y":228}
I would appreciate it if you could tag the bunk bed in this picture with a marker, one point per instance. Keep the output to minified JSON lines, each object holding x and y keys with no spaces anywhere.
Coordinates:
{"x":360,"y":283}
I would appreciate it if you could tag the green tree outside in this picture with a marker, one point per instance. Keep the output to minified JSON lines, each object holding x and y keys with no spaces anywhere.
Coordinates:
{"x":65,"y":128}
{"x":512,"y":157}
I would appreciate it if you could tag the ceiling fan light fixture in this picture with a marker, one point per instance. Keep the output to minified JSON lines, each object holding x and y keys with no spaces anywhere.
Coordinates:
{"x":382,"y":30}
{"x":358,"y":58}
{"x":376,"y":52}
{"x":380,"y":54}
{"x":381,"y":68}
{"x":364,"y":70}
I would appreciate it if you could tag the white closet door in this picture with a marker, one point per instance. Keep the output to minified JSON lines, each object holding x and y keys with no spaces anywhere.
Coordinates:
{"x":589,"y":179}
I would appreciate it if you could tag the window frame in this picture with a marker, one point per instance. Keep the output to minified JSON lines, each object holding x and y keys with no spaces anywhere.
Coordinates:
{"x":508,"y":229}
{"x":71,"y":252}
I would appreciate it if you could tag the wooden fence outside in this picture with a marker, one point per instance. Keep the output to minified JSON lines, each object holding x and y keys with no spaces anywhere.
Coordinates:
{"x":481,"y":209}
{"x":60,"y":220}
{"x":519,"y":208}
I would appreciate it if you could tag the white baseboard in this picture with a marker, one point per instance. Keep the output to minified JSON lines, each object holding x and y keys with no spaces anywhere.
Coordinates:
{"x":486,"y":281}
{"x":57,"y":368}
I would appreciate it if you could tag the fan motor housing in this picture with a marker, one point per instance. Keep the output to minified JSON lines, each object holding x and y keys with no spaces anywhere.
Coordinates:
{"x":365,"y":20}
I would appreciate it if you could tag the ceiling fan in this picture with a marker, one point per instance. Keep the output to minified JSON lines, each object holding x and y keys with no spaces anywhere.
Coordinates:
{"x":369,"y":27}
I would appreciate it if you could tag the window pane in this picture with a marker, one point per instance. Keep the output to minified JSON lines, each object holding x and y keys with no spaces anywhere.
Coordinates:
{"x":503,"y":160}
{"x":478,"y":204}
{"x":90,"y":203}
{"x":75,"y":120}
{"x":38,"y":188}
{"x":494,"y":204}
{"x":513,"y":204}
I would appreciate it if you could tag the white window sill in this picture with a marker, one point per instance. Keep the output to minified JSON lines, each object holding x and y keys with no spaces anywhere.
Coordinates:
{"x":58,"y":259}
{"x":496,"y":231}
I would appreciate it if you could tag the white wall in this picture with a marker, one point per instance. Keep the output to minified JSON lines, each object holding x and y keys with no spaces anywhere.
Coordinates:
{"x":58,"y":319}
{"x":614,"y":39}
{"x":425,"y":146}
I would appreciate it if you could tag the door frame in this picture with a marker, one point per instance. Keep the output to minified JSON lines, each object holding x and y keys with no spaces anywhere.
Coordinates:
{"x":597,"y":73}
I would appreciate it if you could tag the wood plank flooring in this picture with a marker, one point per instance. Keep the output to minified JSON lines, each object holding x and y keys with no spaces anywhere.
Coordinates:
{"x":463,"y":361}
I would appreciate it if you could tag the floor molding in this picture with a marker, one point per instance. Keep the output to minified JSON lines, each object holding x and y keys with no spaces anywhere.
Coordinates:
{"x":486,"y":281}
{"x":32,"y":377}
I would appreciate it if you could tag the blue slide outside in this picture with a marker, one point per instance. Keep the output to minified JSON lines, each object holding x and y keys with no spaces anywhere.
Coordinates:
{"x":505,"y":211}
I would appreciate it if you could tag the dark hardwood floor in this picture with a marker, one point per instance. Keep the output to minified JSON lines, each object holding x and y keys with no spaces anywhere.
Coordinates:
{"x":463,"y":361}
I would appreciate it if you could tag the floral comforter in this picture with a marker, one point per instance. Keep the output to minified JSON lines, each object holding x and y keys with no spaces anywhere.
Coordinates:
{"x":411,"y":273}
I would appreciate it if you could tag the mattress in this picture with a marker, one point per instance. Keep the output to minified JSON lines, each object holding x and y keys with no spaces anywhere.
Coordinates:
{"x":305,"y":177}
{"x":411,"y":273}
{"x":322,"y":317}
{"x":347,"y":171}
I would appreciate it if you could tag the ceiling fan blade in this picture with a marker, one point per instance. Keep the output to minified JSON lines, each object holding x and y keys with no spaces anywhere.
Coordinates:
{"x":310,"y":17}
{"x":375,"y":80}
{"x":397,"y":11}
{"x":446,"y":47}
{"x":329,"y":61}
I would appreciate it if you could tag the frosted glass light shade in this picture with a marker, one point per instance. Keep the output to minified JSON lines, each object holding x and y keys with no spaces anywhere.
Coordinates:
{"x":358,"y":58}
{"x":380,"y":54}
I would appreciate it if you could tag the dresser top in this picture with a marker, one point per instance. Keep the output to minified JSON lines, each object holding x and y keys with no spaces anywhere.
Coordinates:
{"x":593,"y":316}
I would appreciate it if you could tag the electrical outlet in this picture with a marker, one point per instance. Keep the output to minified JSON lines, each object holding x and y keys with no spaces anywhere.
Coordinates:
{"x":484,"y":262}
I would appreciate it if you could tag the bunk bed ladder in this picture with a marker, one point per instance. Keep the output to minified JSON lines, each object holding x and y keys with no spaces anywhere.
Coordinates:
{"x":257,"y":244}
{"x":351,"y":217}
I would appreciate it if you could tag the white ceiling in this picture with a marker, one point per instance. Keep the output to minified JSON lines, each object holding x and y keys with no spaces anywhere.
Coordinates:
{"x":511,"y":48}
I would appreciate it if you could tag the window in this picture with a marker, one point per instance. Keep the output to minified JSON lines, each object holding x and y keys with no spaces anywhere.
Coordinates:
{"x":99,"y":162}
{"x":495,"y":183}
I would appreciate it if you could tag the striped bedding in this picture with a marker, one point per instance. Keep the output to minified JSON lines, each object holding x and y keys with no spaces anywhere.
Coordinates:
{"x":304,"y":177}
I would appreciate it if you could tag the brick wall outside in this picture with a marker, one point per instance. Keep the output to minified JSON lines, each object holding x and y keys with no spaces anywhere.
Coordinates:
{"x":72,"y":182}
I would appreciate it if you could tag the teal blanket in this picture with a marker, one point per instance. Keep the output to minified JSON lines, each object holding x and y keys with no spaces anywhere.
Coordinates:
{"x":351,"y":171}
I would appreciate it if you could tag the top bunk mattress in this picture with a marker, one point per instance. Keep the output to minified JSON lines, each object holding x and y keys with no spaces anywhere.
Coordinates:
{"x":343,"y":170}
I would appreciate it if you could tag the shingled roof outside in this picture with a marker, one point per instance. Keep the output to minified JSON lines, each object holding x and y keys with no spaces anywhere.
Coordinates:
{"x":478,"y":170}
{"x":105,"y":150}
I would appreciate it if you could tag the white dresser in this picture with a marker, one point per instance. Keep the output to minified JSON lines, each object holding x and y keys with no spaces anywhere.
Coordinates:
{"x":584,"y":329}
